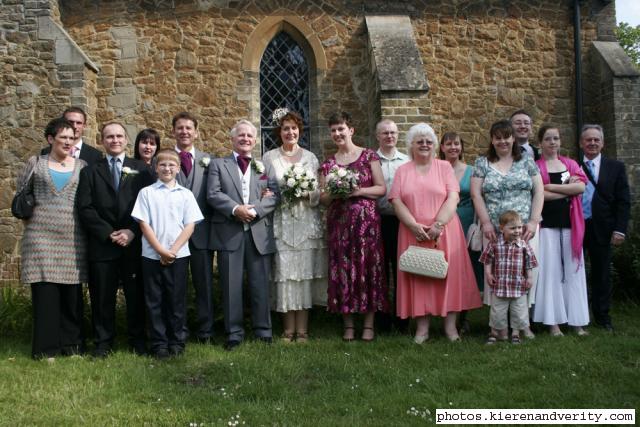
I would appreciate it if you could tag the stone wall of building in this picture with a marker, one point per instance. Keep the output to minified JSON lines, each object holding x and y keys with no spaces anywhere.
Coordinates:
{"x":153,"y":58}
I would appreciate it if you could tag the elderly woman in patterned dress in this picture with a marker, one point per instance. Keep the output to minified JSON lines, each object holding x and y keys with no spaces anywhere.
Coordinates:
{"x":53,"y":247}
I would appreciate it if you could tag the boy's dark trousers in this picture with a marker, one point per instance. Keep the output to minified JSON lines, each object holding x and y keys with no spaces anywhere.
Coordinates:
{"x":165,"y":293}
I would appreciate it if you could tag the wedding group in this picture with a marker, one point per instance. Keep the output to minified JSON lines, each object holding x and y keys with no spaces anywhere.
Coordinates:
{"x":376,"y":236}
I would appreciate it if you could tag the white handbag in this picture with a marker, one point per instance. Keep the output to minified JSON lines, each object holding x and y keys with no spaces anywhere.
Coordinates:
{"x":474,"y":236}
{"x":424,"y":262}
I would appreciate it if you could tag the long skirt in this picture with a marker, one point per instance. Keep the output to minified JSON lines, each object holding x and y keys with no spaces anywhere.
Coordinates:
{"x":561,"y":294}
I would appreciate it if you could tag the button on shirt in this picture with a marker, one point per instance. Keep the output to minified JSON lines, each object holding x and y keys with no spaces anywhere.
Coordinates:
{"x":509,"y":260}
{"x":389,"y":167}
{"x":167,"y":211}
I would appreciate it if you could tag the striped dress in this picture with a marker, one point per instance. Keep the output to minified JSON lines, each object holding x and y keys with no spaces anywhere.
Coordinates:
{"x":54,"y":247}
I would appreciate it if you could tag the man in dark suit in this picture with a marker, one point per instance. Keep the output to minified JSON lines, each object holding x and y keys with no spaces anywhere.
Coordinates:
{"x":522,"y":124}
{"x":78,"y":119}
{"x":106,"y":194}
{"x":194,"y":165}
{"x":606,"y":206}
{"x":243,"y":199}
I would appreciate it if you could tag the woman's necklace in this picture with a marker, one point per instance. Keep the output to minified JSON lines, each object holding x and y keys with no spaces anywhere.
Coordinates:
{"x":60,"y":162}
{"x":291,"y":153}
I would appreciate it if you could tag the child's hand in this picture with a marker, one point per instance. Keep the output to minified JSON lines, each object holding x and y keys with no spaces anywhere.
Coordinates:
{"x":167,"y":257}
{"x":490,"y":279}
{"x":529,"y":283}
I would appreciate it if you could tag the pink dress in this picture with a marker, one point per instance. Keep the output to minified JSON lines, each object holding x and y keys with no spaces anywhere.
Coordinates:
{"x":424,"y":195}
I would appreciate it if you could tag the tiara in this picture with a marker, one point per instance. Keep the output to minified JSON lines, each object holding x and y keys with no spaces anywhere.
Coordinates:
{"x":278,"y":114}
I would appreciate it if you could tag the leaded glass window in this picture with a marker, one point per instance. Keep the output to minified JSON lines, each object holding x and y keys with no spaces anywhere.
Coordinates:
{"x":284,"y":82}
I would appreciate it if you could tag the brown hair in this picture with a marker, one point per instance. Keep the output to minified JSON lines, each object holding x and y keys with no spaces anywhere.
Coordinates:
{"x":74,"y":109}
{"x":502,"y":128}
{"x":184,"y":115}
{"x":167,"y":154}
{"x":543,"y":129}
{"x":291,"y":116}
{"x":509,"y":216}
{"x":342,"y":117}
{"x":451,"y":136}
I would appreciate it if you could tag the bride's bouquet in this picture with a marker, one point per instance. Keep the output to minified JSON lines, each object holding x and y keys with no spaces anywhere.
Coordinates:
{"x":342,"y":181}
{"x":298,"y":183}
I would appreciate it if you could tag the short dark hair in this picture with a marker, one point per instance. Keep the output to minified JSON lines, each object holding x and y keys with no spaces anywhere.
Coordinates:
{"x":143,"y":135}
{"x":521,"y":111}
{"x":55,"y":126}
{"x":342,"y":117}
{"x":292,"y":116}
{"x":186,"y":116}
{"x":502,"y":128}
{"x":446,"y":137}
{"x":543,"y":129}
{"x":74,"y":109}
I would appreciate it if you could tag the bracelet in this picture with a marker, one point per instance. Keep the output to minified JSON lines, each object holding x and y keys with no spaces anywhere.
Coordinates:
{"x":438,"y":224}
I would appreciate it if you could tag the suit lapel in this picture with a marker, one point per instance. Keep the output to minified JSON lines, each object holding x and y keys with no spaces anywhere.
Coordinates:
{"x":232,"y":168}
{"x":103,"y":171}
{"x":197,"y":171}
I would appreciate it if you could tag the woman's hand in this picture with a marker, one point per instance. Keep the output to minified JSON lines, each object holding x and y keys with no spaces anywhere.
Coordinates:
{"x":435,"y":231}
{"x":420,"y":231}
{"x":530,"y":229}
{"x":489,"y":231}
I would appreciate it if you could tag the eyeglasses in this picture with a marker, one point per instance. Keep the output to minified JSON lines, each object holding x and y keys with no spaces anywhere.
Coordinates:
{"x":519,"y":123}
{"x":423,"y":142}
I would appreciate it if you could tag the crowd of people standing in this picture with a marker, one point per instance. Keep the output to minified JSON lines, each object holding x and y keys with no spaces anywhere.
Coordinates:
{"x":298,"y":233}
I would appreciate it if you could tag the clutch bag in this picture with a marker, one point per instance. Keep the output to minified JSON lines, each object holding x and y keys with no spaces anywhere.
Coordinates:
{"x":474,"y":237}
{"x":424,"y":262}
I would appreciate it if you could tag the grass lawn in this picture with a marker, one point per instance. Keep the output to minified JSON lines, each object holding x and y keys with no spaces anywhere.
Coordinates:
{"x":391,"y":381}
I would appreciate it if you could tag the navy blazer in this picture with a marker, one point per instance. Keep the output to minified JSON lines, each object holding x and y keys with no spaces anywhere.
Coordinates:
{"x":611,"y":205}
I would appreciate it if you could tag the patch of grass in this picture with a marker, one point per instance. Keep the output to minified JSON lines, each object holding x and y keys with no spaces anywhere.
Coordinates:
{"x":326,"y":381}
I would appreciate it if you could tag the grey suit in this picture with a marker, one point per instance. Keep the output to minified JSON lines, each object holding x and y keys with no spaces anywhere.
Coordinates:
{"x":201,"y":260}
{"x":242,"y":250}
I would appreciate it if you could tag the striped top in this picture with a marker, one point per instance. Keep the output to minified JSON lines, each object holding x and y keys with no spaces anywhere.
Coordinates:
{"x":54,"y":247}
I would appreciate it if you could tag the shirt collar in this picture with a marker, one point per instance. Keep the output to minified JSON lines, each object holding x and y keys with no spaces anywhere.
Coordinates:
{"x":160,"y":184}
{"x":518,"y":243}
{"x":192,"y":150}
{"x":121,"y":157}
{"x":596,"y":160}
{"x":397,"y":155}
{"x":236,"y":155}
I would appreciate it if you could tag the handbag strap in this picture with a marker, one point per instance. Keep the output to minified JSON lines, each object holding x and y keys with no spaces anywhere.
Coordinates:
{"x":29,"y":181}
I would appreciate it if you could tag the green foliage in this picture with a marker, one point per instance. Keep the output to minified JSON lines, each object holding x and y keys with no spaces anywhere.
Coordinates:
{"x":626,"y":261}
{"x":15,"y":311}
{"x":629,"y":38}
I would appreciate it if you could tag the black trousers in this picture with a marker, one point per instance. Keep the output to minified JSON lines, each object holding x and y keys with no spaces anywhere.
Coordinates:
{"x":600,"y":277}
{"x":57,"y":319}
{"x":201,"y":262}
{"x":104,"y":279}
{"x":165,"y":294}
{"x":390,"y":225}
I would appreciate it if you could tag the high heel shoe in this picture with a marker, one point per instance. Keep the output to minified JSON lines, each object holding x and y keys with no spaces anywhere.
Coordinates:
{"x":349,"y":334}
{"x":373,"y":336}
{"x":420,"y":339}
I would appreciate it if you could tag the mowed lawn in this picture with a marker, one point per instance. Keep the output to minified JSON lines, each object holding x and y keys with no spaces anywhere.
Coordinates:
{"x":327,"y":382}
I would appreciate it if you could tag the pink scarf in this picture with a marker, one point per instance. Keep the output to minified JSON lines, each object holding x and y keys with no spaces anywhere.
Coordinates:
{"x":575,"y":204}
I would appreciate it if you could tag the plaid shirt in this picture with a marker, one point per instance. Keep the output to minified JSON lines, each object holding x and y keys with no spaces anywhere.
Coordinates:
{"x":509,"y":260}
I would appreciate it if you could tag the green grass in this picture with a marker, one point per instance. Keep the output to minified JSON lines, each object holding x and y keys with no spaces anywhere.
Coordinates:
{"x":326,"y":381}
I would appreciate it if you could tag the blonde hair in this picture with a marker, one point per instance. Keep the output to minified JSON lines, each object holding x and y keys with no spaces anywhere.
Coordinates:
{"x":167,"y":154}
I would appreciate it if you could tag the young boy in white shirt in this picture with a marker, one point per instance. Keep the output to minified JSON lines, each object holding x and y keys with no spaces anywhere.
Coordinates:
{"x":167,"y":214}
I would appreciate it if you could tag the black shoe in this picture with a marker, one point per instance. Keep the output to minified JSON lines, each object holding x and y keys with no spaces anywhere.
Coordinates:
{"x":162,"y":354}
{"x":72,"y":350}
{"x":607,"y":326}
{"x":265,"y":340}
{"x":176,"y":350}
{"x":101,"y":353}
{"x":139,"y":349}
{"x":231,"y":345}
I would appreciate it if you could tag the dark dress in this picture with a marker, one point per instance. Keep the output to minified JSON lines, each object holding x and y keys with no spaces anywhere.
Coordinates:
{"x":356,"y":278}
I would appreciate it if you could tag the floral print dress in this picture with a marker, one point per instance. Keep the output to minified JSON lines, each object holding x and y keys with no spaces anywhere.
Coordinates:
{"x":356,"y":277}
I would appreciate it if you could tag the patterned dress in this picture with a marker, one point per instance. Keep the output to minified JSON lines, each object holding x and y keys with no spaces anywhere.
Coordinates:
{"x":54,"y":246}
{"x":356,"y":278}
{"x":300,"y":263}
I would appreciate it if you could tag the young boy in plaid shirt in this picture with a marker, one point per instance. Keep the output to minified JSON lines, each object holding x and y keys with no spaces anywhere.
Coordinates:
{"x":507,"y":264}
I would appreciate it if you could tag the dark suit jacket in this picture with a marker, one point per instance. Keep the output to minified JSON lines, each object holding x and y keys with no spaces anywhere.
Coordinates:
{"x":610,"y":207}
{"x":103,"y":211}
{"x":200,"y":236}
{"x":224,"y":192}
{"x":87,"y":153}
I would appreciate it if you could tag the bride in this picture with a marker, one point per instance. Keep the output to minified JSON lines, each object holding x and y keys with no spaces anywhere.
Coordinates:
{"x":300,"y":274}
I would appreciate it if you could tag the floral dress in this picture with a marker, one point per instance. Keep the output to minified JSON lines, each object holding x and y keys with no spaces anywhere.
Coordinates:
{"x":356,"y":276}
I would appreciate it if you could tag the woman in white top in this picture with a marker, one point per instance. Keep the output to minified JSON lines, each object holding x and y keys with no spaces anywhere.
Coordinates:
{"x":300,"y":274}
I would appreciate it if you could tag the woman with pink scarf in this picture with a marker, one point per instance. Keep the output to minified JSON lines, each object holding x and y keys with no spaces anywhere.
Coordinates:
{"x":561,"y":293}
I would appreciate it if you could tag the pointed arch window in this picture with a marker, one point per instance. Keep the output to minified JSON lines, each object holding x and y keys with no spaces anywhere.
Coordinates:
{"x":284,"y":82}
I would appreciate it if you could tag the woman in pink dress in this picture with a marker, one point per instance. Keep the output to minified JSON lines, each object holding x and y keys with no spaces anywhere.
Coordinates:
{"x":424,"y":195}
{"x":356,"y":280}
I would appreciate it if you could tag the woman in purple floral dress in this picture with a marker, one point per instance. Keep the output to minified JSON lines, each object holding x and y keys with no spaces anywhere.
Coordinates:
{"x":356,"y":277}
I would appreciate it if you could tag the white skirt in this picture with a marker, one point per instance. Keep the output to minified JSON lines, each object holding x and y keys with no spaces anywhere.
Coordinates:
{"x":561,"y":294}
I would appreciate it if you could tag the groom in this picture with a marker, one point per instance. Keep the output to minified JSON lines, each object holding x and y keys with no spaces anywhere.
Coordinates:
{"x":243,"y":199}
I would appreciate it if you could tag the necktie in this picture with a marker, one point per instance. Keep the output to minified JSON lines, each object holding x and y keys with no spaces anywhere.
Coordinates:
{"x":115,"y":172}
{"x":587,"y":197}
{"x":72,"y":151}
{"x":243,"y":162}
{"x":185,"y":162}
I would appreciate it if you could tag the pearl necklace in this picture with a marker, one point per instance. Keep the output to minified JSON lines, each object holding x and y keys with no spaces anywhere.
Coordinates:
{"x":290,"y":153}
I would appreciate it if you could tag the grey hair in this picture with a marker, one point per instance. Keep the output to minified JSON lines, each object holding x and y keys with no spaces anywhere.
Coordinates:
{"x":234,"y":129}
{"x":418,"y":130}
{"x":591,"y":126}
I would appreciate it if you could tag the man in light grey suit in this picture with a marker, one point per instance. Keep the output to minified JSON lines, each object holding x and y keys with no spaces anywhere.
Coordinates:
{"x":243,"y":199}
{"x":193,"y":175}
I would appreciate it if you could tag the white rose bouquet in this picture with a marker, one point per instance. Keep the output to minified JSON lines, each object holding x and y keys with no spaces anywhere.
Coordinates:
{"x":298,"y":182}
{"x":341,"y":181}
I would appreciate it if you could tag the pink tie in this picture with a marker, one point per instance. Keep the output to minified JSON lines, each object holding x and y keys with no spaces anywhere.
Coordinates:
{"x":72,"y":152}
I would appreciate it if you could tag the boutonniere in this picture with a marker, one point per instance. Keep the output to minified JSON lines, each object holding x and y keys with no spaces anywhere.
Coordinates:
{"x":257,"y":166}
{"x":204,"y":162}
{"x":128,"y":172}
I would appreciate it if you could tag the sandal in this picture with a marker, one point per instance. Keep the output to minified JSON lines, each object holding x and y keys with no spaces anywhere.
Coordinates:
{"x":373,"y":336}
{"x":491,"y":340}
{"x":287,"y":337}
{"x":515,"y":339}
{"x":302,"y":337}
{"x":348,"y":334}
